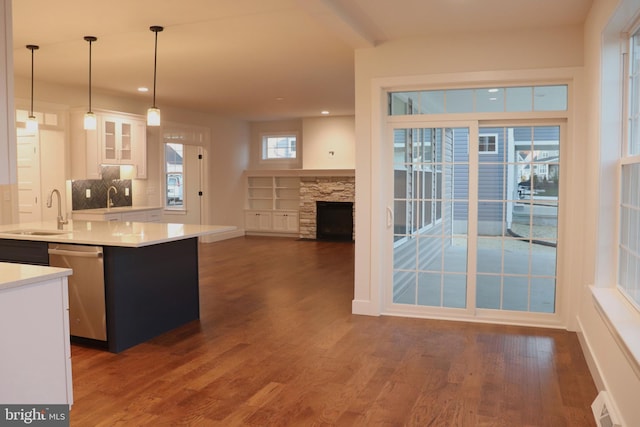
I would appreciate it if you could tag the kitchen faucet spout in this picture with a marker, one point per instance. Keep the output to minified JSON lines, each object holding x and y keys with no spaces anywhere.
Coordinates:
{"x":109,"y":201}
{"x":61,"y":220}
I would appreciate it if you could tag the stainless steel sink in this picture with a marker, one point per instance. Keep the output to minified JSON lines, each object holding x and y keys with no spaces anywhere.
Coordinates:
{"x":35,"y":232}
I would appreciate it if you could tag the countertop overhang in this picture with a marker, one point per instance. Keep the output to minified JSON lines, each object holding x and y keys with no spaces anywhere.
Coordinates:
{"x":109,"y":233}
{"x":14,"y":275}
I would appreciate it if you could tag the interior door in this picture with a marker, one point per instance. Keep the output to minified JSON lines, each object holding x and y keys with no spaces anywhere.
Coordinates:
{"x":193,"y":183}
{"x":29,"y":200}
{"x":184,"y":182}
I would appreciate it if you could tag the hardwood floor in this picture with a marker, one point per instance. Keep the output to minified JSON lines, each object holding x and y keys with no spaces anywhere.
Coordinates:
{"x":277,"y":345}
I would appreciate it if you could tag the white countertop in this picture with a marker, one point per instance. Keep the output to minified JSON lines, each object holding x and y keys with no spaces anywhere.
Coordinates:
{"x":110,"y":233}
{"x":15,"y":275}
{"x":116,"y":209}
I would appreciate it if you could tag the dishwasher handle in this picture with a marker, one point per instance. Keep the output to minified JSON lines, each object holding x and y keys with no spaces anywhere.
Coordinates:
{"x":97,"y":254}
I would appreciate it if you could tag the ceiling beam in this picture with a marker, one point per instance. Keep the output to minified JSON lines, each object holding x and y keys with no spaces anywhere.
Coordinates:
{"x":346,"y":21}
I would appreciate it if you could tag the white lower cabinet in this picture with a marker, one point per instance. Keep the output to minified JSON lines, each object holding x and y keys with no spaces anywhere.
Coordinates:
{"x":283,"y":222}
{"x":135,"y":216}
{"x":148,"y":215}
{"x":257,"y":221}
{"x":35,"y":361}
{"x":154,"y":215}
{"x":286,"y":222}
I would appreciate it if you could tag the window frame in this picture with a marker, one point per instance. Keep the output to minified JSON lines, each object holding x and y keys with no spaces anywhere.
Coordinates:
{"x":631,"y":131}
{"x":264,"y":137}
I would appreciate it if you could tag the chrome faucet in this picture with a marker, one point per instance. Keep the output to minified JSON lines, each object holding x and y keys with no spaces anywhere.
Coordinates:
{"x":109,"y":201}
{"x":61,"y":220}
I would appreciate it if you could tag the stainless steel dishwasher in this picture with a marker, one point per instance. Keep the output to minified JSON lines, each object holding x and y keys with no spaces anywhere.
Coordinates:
{"x":86,"y":288}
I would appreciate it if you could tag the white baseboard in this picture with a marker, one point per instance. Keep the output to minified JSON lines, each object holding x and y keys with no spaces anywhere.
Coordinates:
{"x":271,"y":234}
{"x":363,"y":307}
{"x":594,"y":369}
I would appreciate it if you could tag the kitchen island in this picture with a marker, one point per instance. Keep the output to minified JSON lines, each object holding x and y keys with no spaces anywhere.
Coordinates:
{"x":151,"y":282}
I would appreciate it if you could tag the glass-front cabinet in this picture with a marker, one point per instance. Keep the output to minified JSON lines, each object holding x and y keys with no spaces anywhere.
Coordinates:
{"x":117,"y":140}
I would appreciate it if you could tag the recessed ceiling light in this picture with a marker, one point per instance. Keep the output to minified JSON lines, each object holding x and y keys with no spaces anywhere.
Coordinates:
{"x":324,"y":113}
{"x":143,"y":89}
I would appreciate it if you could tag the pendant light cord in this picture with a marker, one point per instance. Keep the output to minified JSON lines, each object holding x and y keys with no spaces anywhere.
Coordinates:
{"x":155,"y":67}
{"x":90,"y":43}
{"x":156,"y":29}
{"x":32,"y":47}
{"x":31,"y":111}
{"x":90,"y":39}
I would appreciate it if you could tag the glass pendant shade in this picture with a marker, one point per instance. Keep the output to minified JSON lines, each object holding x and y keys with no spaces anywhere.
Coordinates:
{"x":90,"y":121}
{"x":153,"y":116}
{"x":31,"y":124}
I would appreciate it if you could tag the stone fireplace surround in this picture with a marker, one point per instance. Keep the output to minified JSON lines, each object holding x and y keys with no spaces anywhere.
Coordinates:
{"x":322,"y":188}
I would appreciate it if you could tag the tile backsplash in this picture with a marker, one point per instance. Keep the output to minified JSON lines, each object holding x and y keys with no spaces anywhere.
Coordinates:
{"x":98,"y":189}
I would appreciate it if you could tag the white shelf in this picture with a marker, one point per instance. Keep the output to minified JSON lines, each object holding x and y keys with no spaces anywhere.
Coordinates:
{"x":272,"y":203}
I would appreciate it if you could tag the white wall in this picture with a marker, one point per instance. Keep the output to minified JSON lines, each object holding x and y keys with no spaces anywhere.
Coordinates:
{"x":8,"y":150}
{"x":276,"y":126}
{"x":496,"y":55}
{"x":317,"y":136}
{"x":228,"y":158}
{"x":610,"y":367}
{"x":329,"y":143}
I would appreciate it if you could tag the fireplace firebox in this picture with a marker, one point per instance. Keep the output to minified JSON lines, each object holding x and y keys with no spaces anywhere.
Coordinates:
{"x":334,"y":221}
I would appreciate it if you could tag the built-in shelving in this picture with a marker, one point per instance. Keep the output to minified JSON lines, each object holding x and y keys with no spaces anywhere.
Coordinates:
{"x":272,"y":204}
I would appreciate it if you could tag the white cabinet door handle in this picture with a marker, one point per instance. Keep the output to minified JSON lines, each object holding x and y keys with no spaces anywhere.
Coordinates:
{"x":389,"y":217}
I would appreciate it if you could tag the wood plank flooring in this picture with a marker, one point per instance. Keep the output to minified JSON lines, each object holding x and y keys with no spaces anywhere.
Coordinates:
{"x":277,"y":345}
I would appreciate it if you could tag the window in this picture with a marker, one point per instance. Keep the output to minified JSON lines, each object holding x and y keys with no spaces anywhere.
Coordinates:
{"x":488,"y":144}
{"x":279,"y":147}
{"x":629,"y":237}
{"x":174,"y":179}
{"x":479,"y":100}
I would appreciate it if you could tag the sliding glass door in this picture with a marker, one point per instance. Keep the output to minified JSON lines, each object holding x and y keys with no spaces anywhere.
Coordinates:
{"x":475,"y":218}
{"x":431,"y":186}
{"x":518,"y":193}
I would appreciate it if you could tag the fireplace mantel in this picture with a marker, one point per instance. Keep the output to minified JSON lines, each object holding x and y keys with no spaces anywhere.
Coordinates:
{"x":301,"y":172}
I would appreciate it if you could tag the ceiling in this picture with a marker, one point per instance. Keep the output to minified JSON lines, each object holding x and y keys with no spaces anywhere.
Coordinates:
{"x":249,"y":59}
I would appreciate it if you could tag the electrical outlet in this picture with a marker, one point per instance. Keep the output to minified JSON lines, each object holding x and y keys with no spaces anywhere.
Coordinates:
{"x":126,"y":191}
{"x":87,"y":193}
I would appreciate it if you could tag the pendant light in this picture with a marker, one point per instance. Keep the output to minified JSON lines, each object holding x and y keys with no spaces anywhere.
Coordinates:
{"x":90,"y":120}
{"x":32,"y":122}
{"x":153,"y":113}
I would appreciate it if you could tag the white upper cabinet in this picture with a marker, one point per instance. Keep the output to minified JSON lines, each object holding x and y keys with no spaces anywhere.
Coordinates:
{"x":85,"y":150}
{"x":120,"y":139}
{"x":117,"y":140}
